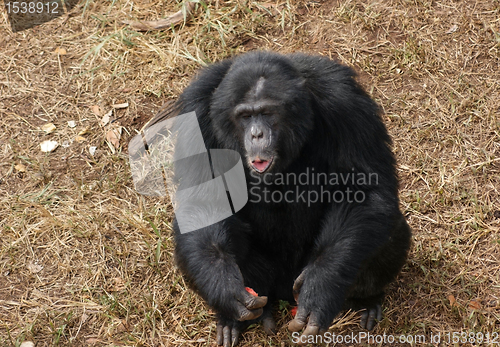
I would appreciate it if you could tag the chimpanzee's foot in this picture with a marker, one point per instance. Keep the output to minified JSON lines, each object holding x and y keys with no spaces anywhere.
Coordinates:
{"x":371,"y":306}
{"x":229,"y":330}
{"x":370,"y":317}
{"x":268,"y":322}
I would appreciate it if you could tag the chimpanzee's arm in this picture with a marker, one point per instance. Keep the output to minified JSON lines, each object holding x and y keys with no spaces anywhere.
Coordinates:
{"x":207,"y":258}
{"x":351,"y":235}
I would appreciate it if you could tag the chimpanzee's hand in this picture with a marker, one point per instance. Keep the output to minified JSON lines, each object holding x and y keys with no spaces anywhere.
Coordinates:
{"x":234,"y":304}
{"x":228,"y":296}
{"x":314,"y":308}
{"x":240,"y":305}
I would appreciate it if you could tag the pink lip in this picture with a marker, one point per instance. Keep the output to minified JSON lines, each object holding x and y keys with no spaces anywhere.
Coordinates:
{"x":261,"y":165}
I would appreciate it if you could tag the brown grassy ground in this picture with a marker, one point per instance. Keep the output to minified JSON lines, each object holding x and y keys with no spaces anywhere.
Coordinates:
{"x":85,"y":260}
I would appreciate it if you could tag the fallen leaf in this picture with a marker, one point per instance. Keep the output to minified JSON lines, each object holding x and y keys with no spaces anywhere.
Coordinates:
{"x":293,"y":311}
{"x":60,"y":51}
{"x":118,"y":284}
{"x":301,"y":11}
{"x":71,"y":123}
{"x":123,"y":326}
{"x":38,"y":176}
{"x":453,"y":301}
{"x":48,"y":146}
{"x":84,"y":131}
{"x":20,"y":168}
{"x":34,"y":268}
{"x":27,"y":344}
{"x":165,"y":23}
{"x":452,"y":29}
{"x":267,"y":4}
{"x":92,"y":340}
{"x":123,"y":105}
{"x":84,"y":318}
{"x":96,"y":109}
{"x":271,"y":7}
{"x":105,"y":119}
{"x":113,"y":136}
{"x":475,"y":305}
{"x":48,"y":128}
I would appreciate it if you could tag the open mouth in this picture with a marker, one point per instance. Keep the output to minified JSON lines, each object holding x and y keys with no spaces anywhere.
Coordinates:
{"x":260,"y":165}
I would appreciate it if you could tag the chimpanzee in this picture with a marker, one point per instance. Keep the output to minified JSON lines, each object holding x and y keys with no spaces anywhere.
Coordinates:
{"x":322,"y":225}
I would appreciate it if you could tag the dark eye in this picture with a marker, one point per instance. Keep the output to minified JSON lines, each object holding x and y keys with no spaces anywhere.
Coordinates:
{"x":246,"y":115}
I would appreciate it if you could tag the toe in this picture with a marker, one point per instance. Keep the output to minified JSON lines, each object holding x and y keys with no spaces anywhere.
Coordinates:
{"x":220,"y":335}
{"x":269,"y":325}
{"x":364,"y":318}
{"x":370,"y":323}
{"x":370,"y":317}
{"x":235,"y":333}
{"x":227,"y":334}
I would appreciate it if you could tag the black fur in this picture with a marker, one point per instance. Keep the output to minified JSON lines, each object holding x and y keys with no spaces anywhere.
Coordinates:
{"x":347,"y":252}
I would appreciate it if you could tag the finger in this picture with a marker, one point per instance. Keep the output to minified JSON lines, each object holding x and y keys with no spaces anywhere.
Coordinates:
{"x":249,"y":315}
{"x":314,"y":321}
{"x":227,"y":336}
{"x":299,"y":321}
{"x":297,"y":285}
{"x":220,"y":335}
{"x":253,"y":302}
{"x":311,"y":330}
{"x":296,"y":325}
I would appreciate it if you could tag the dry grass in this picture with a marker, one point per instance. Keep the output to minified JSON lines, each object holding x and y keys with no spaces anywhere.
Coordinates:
{"x":85,"y":260}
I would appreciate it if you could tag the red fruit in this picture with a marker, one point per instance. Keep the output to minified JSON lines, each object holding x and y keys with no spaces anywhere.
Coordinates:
{"x":293,"y":311}
{"x":251,"y":291}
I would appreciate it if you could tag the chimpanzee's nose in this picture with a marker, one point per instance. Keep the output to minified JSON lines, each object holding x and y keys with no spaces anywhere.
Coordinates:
{"x":257,"y":133}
